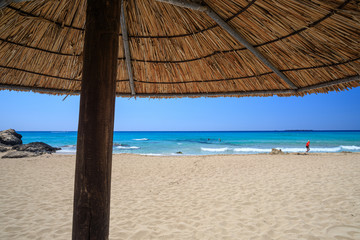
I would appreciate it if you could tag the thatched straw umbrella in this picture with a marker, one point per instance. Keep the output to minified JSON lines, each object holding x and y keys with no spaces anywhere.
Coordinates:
{"x":169,"y":48}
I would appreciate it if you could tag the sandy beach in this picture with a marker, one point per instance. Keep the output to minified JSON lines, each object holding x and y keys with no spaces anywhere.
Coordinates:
{"x":314,"y":196}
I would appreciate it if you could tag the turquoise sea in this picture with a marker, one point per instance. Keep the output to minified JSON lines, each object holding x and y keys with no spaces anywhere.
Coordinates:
{"x":206,"y":143}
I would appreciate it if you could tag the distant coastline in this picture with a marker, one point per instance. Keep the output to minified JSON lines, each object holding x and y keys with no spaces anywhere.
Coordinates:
{"x":299,"y":131}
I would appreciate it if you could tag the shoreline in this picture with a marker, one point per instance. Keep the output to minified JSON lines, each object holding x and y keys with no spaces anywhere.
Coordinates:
{"x":211,"y":143}
{"x":257,"y":196}
{"x":239,"y":154}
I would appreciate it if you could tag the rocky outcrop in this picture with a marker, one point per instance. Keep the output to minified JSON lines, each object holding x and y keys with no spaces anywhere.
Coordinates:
{"x":36,"y":147}
{"x":276,"y":151}
{"x":19,"y":154}
{"x":4,"y":148}
{"x":11,"y":140}
{"x":10,"y":137}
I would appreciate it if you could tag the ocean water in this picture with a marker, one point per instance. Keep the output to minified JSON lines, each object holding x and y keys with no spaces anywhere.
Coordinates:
{"x":207,"y":143}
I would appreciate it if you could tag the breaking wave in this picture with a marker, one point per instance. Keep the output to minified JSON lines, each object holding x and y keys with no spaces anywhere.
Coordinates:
{"x":284,"y":149}
{"x":215,"y":149}
{"x":350,"y":147}
{"x":254,"y":150}
{"x":127,"y":147}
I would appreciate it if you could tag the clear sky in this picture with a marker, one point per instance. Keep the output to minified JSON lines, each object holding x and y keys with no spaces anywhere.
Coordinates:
{"x":25,"y":111}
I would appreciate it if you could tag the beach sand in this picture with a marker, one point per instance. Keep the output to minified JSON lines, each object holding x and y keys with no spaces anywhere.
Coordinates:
{"x":314,"y":196}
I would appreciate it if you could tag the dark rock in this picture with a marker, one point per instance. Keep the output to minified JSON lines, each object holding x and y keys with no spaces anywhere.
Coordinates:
{"x":276,"y":151}
{"x":19,"y":154}
{"x":10,"y":137}
{"x":179,"y":152}
{"x":36,"y":147}
{"x":4,"y":148}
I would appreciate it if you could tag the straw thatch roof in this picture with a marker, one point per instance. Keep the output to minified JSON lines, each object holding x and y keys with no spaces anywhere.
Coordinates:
{"x":177,"y":52}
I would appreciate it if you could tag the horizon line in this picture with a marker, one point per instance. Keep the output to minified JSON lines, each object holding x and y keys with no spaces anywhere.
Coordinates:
{"x":286,"y":130}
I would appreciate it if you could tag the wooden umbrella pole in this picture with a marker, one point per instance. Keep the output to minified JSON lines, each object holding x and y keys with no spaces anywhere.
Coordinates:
{"x":96,"y":121}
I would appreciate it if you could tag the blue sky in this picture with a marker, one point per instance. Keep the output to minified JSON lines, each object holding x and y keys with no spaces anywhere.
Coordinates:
{"x":25,"y":111}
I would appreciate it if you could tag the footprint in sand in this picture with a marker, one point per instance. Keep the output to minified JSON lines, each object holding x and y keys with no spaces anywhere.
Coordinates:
{"x":343,"y":231}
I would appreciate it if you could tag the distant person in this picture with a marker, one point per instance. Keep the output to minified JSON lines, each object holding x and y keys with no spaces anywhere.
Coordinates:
{"x":308,"y":146}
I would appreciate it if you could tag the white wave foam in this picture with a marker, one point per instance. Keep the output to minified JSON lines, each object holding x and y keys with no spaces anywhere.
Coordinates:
{"x":66,"y":151}
{"x":255,"y":150}
{"x":314,"y":149}
{"x":350,"y":147}
{"x":127,"y":147}
{"x":322,"y":149}
{"x":333,"y":149}
{"x":141,"y":139}
{"x":214,"y":149}
{"x":293,"y":150}
{"x":296,"y":150}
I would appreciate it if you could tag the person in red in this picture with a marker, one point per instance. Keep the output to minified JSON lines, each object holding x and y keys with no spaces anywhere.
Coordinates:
{"x":308,"y":146}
